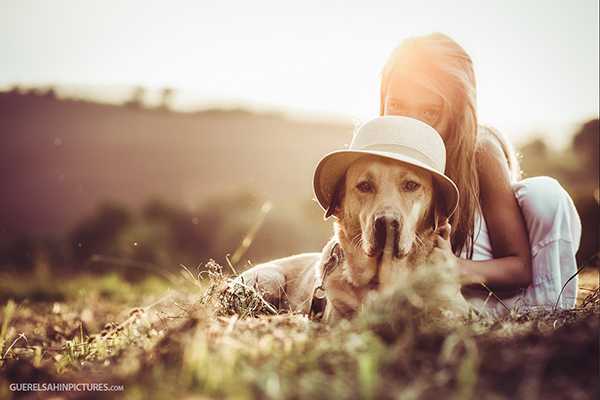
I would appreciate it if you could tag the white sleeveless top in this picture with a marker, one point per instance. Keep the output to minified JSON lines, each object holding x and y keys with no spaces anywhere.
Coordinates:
{"x":482,"y":247}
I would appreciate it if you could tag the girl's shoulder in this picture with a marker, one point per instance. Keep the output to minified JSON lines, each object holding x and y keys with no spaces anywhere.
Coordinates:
{"x":493,"y":146}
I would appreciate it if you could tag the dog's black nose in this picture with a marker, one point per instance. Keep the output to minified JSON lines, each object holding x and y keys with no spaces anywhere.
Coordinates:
{"x":380,"y":233}
{"x":381,"y":226}
{"x":396,"y":235}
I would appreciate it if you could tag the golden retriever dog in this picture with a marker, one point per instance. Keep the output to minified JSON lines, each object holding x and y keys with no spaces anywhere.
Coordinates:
{"x":388,"y":221}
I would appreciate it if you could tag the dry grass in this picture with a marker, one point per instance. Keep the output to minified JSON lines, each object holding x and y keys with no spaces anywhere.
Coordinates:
{"x":195,"y":342}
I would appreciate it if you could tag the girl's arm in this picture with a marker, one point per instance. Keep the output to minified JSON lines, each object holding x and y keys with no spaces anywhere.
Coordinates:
{"x":511,"y":267}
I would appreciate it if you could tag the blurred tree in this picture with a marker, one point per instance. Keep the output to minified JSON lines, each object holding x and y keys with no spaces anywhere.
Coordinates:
{"x":586,"y":144}
{"x":99,"y":233}
{"x":136,"y":100}
{"x":15,"y":89}
{"x":166,"y":98}
{"x":156,"y":210}
{"x":18,"y":253}
{"x":535,"y":158}
{"x":187,"y":239}
{"x":49,"y":93}
{"x":589,"y":247}
{"x":146,"y":242}
{"x":537,"y":147}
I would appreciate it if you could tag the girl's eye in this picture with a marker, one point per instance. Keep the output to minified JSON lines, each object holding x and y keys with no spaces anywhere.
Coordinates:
{"x":365,"y":187}
{"x":411,"y":186}
{"x":430,"y":115}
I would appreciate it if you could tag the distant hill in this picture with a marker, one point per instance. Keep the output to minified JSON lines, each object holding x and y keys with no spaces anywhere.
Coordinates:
{"x":60,"y":158}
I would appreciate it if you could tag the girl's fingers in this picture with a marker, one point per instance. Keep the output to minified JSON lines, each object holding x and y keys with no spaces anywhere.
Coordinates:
{"x":444,"y":230}
{"x":443,"y":243}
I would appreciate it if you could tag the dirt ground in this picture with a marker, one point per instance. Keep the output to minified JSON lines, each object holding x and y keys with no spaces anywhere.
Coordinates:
{"x":153,"y":339}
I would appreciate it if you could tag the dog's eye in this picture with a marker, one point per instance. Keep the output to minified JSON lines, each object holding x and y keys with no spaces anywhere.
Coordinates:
{"x":365,"y":187}
{"x":411,"y":186}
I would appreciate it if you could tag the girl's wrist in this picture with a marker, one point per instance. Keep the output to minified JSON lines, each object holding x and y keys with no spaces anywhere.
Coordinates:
{"x":468,"y":275}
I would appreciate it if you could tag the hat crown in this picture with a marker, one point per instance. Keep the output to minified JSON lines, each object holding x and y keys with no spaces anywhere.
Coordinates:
{"x":402,"y":135}
{"x":403,"y":139}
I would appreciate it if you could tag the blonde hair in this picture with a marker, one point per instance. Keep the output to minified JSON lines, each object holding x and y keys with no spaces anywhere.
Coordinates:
{"x":448,"y":71}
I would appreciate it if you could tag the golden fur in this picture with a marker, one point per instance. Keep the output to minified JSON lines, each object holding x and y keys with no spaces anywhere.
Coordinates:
{"x":386,"y":224}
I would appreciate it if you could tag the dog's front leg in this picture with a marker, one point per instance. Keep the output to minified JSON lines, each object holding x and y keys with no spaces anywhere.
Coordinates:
{"x":268,"y":280}
{"x":343,"y":298}
{"x":333,"y":314}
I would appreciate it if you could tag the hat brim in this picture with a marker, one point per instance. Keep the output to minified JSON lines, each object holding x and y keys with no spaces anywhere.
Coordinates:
{"x":334,"y":165}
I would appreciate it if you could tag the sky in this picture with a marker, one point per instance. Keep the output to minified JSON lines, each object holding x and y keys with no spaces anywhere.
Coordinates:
{"x":536,"y":62}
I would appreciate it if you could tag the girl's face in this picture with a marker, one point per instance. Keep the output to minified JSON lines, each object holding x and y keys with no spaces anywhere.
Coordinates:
{"x":408,"y":99}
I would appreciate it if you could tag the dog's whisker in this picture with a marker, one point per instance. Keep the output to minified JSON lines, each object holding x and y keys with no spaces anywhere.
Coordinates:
{"x":419,"y":242}
{"x":419,"y":239}
{"x":359,"y":243}
{"x":356,"y":241}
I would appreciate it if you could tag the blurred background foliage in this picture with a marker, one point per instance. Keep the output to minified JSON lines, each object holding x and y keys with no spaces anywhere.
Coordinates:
{"x":576,"y":168}
{"x":171,"y":188}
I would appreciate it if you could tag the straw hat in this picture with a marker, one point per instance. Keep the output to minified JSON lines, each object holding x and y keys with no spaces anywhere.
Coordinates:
{"x":404,"y":139}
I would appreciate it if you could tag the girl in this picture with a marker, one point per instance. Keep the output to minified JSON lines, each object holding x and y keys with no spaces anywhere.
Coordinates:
{"x":518,"y":237}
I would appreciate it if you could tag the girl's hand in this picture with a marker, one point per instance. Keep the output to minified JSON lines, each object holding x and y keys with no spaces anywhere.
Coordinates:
{"x":442,"y":251}
{"x":467,"y":275}
{"x":443,"y":232}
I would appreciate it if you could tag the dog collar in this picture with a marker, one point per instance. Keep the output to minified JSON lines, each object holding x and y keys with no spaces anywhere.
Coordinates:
{"x":319,"y":297}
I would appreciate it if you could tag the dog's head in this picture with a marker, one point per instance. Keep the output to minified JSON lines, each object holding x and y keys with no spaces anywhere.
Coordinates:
{"x":382,"y":207}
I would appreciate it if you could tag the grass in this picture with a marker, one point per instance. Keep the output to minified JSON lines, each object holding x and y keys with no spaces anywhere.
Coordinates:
{"x":189,"y":340}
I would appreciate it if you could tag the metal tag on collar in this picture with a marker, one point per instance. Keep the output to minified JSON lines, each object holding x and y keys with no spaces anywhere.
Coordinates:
{"x":319,"y":292}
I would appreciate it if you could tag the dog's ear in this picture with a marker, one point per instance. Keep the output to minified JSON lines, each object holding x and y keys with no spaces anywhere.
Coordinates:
{"x":335,"y":205}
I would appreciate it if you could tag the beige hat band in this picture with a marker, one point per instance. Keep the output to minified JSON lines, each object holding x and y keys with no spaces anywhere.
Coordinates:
{"x":405,"y":150}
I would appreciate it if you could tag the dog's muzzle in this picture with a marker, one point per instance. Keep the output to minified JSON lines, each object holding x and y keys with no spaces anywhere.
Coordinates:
{"x":386,"y":234}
